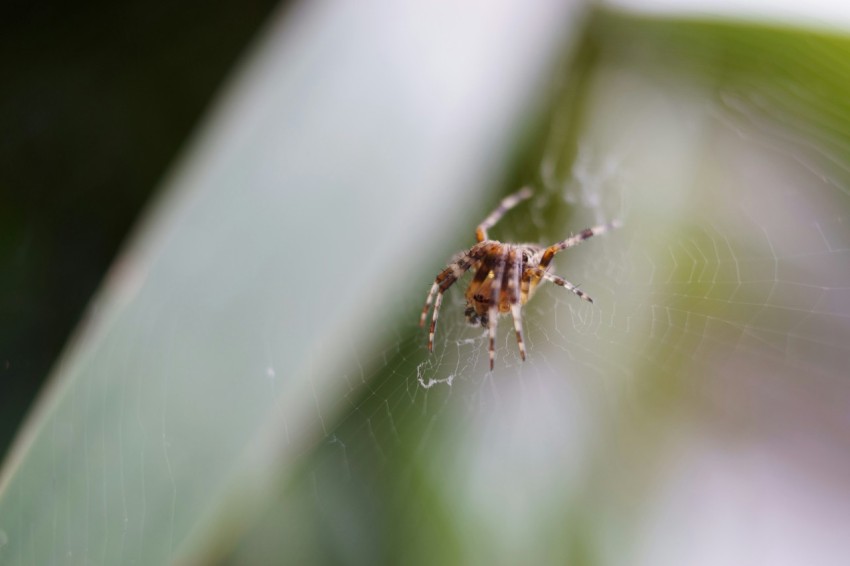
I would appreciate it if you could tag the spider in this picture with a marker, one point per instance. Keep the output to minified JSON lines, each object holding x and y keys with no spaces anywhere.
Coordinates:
{"x":506,"y":276}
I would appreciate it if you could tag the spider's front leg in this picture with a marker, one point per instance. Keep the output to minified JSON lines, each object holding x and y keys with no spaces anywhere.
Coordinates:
{"x":444,"y":280}
{"x":505,"y":205}
{"x":549,"y":253}
{"x":493,"y":311}
{"x":515,"y":296}
{"x":537,"y":272}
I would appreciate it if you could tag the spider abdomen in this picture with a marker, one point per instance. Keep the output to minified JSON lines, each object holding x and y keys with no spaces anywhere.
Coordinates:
{"x":510,"y":268}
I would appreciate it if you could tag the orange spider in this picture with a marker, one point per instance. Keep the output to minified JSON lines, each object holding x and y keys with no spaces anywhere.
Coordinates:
{"x":506,"y":276}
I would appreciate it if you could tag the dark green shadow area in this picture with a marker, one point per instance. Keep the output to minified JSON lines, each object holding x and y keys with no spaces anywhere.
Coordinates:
{"x":97,"y":99}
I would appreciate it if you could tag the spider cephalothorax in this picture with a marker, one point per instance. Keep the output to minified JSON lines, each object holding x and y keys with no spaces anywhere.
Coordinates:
{"x":506,"y":276}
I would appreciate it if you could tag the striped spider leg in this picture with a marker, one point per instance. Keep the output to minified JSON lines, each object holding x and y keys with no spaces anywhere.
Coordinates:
{"x":444,"y":280}
{"x":507,"y":203}
{"x":547,"y":254}
{"x":539,"y":265}
{"x":505,"y":276}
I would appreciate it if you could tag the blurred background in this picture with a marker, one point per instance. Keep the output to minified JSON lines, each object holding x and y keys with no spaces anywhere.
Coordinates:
{"x":249,"y":384}
{"x":97,"y":99}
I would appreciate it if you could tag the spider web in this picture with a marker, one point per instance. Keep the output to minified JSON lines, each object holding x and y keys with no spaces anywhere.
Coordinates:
{"x":695,"y":413}
{"x":717,"y":344}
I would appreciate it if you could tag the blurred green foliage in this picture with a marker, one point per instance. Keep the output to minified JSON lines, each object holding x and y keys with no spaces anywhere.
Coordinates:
{"x":97,"y":98}
{"x":534,"y":464}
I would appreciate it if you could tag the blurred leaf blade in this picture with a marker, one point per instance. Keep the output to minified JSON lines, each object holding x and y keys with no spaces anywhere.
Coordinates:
{"x":208,"y":362}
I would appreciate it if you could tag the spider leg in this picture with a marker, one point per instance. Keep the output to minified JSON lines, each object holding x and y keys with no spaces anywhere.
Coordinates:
{"x":513,"y":281}
{"x":507,"y":203}
{"x":493,"y":311}
{"x":432,"y":330}
{"x":572,"y":241}
{"x":563,"y":283}
{"x":444,"y":280}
